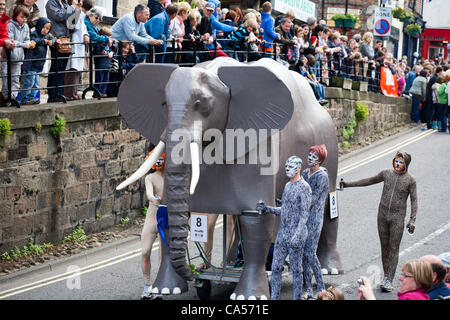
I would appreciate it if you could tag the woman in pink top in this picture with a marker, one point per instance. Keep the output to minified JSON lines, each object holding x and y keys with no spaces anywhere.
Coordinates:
{"x":416,"y":278}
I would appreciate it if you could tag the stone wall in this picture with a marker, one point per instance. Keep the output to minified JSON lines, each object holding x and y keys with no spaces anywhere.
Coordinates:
{"x":384,"y":112}
{"x":48,"y":185}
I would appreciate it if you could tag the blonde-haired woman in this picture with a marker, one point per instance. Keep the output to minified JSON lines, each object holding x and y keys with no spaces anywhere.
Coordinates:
{"x":416,"y":278}
{"x":177,"y":30}
{"x":368,"y":54}
{"x":191,"y":39}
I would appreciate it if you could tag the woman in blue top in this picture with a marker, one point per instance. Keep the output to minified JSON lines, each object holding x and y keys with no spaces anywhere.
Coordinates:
{"x":101,"y":50}
{"x":317,"y":178}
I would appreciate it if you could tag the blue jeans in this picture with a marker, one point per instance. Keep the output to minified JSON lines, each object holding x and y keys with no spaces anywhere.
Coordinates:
{"x":415,"y":109}
{"x":30,"y":81}
{"x":442,"y":114}
{"x":101,"y":81}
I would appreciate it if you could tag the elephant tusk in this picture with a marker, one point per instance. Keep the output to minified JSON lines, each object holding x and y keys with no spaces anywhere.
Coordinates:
{"x":145,"y":167}
{"x":195,"y":166}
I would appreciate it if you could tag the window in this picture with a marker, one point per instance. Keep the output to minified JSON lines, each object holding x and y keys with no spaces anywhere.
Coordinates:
{"x":106,"y":6}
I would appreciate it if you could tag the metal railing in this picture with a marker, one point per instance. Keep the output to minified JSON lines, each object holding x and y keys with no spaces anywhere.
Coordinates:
{"x":323,"y":70}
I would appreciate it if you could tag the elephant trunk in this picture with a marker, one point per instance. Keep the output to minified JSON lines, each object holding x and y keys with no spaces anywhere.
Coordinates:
{"x":176,"y":196}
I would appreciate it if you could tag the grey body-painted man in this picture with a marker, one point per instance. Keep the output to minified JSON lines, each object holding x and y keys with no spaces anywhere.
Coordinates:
{"x":292,"y":234}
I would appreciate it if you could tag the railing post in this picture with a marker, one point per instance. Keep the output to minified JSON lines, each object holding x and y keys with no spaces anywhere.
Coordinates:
{"x":120,"y":47}
{"x":91,"y":74}
{"x":173,"y":50}
{"x":215,"y":48}
{"x":274,"y":50}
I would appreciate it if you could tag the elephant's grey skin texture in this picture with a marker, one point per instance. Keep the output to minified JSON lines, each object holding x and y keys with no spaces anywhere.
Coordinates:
{"x":224,"y":94}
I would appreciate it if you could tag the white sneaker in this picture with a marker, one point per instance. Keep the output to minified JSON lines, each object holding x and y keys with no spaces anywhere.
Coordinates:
{"x":147,"y":292}
{"x":324,"y":271}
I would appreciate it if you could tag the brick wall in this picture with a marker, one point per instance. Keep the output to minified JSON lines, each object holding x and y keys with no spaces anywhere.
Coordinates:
{"x":48,"y":185}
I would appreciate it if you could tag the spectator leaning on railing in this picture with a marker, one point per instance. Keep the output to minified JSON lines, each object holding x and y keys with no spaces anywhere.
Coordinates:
{"x":18,"y":31}
{"x":267,"y":24}
{"x":36,"y":58}
{"x":101,"y":50}
{"x":58,"y":11}
{"x":192,"y":38}
{"x":176,"y":29}
{"x":158,"y":28}
{"x":285,"y":38}
{"x":131,"y":28}
{"x":79,"y":38}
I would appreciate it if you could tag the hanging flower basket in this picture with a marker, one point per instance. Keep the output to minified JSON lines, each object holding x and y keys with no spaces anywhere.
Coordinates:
{"x":414,"y":30}
{"x":402,"y":15}
{"x":338,"y":20}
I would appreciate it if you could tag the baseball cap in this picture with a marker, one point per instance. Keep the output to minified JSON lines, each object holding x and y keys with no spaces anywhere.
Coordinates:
{"x":445,"y":258}
{"x":209,"y":6}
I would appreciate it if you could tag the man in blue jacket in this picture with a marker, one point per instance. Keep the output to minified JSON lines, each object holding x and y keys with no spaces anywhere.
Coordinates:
{"x":158,"y":28}
{"x":131,"y":28}
{"x":268,"y":25}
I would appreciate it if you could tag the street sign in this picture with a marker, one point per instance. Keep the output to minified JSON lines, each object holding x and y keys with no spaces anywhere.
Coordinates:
{"x":382,"y":19}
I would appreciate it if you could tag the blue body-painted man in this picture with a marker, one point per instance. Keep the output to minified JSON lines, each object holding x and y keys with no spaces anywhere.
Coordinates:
{"x":292,"y":233}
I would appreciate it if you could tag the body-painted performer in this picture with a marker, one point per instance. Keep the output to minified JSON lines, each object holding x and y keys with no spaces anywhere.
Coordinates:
{"x":154,"y":184}
{"x":317,"y":178}
{"x":398,"y":185}
{"x":292,"y":234}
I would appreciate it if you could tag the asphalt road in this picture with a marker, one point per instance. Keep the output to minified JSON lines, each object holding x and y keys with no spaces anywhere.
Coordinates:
{"x":114,"y":273}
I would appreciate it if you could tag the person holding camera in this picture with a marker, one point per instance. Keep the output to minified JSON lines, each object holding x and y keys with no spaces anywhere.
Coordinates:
{"x":416,"y":278}
{"x":398,"y":186}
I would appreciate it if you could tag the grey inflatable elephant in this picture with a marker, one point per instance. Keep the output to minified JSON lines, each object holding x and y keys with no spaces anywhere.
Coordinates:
{"x":198,"y":116}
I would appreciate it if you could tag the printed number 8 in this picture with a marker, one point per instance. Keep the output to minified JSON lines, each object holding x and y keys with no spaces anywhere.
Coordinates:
{"x":199,"y":222}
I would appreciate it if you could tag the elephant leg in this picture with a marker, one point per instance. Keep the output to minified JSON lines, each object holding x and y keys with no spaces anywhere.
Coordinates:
{"x":257,"y":235}
{"x":167,"y":280}
{"x":327,"y":251}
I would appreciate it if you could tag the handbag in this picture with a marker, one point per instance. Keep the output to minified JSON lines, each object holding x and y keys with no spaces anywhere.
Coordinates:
{"x":64,"y":46}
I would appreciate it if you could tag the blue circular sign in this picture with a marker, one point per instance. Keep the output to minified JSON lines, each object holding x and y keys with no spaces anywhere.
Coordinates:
{"x":382,"y":26}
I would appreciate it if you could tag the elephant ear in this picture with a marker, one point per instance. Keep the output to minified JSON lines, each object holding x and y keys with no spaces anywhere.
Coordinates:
{"x":142,"y":97}
{"x":259,"y":99}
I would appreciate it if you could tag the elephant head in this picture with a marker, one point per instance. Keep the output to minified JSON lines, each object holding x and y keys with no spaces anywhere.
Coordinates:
{"x":162,"y":101}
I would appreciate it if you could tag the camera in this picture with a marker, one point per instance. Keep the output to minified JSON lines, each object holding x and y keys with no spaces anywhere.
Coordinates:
{"x":360,"y":281}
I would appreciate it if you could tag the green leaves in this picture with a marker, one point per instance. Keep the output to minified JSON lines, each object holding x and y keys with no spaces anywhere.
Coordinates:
{"x":5,"y":128}
{"x":77,"y":235}
{"x":361,"y":111}
{"x":59,"y":128}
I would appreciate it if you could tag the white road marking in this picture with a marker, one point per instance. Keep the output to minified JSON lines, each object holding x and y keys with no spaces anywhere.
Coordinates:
{"x":64,"y":276}
{"x":385,"y":152}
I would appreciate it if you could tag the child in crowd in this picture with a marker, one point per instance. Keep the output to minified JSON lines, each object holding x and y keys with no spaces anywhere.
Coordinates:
{"x":101,"y":50}
{"x":19,"y":32}
{"x":239,"y":38}
{"x":128,"y":62}
{"x":37,"y":55}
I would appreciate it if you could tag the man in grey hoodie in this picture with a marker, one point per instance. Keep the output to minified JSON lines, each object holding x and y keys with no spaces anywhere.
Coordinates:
{"x":58,"y":12}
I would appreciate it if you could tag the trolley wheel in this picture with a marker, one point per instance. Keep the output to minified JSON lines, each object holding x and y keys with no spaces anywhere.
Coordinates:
{"x":203,"y":289}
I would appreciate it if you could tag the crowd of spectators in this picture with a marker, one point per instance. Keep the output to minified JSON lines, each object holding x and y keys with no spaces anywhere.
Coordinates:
{"x":187,"y":33}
